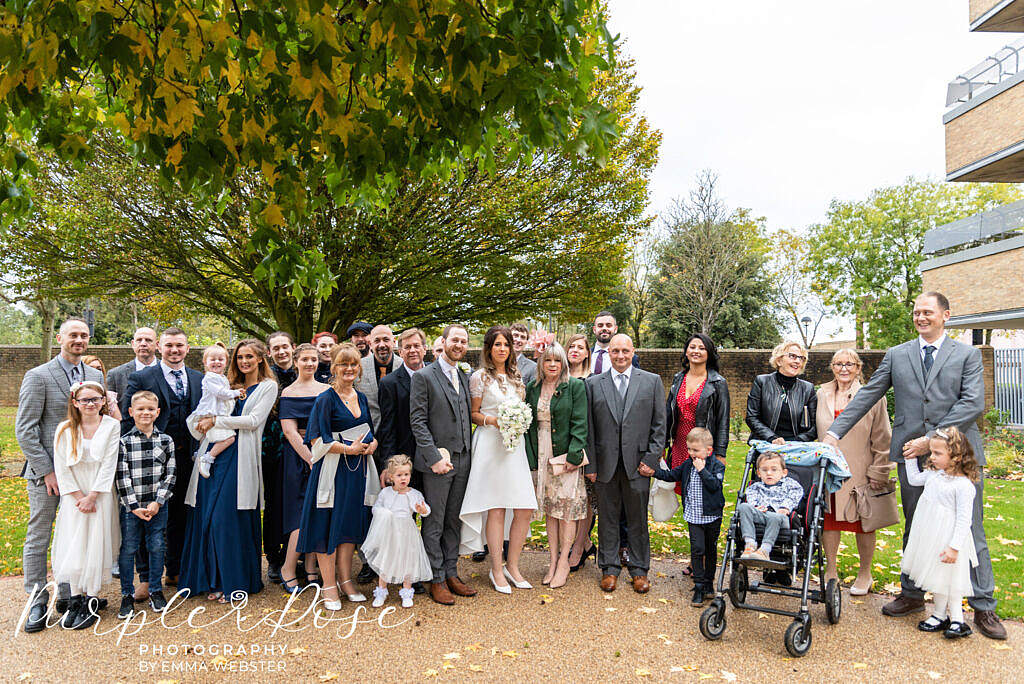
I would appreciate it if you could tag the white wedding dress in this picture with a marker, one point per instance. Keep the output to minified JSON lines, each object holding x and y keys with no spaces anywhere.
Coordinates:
{"x":499,"y":478}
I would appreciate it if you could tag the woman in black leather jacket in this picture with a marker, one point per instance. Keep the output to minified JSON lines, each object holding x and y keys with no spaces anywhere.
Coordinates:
{"x":781,"y":407}
{"x":686,"y":411}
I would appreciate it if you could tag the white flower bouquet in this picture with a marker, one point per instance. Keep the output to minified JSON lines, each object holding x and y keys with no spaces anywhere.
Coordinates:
{"x":514,"y":417}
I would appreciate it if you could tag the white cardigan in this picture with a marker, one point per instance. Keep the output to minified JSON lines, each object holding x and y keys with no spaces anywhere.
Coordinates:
{"x":106,"y":445}
{"x":249,"y":425}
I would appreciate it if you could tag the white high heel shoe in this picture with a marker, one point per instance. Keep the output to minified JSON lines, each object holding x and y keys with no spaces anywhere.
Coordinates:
{"x":357,"y":597}
{"x":519,"y":585}
{"x":501,"y":590}
{"x":332,"y":604}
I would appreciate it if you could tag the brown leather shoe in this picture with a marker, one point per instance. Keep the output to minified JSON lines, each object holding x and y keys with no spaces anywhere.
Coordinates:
{"x":989,"y":625}
{"x":902,"y":605}
{"x":641,"y":584}
{"x":608,"y":582}
{"x":460,"y":588}
{"x":439,"y":592}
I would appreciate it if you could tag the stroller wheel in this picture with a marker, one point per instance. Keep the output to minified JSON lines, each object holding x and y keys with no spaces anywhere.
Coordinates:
{"x":833,"y":601}
{"x":798,"y":638}
{"x":738,"y":584}
{"x":712,"y":622}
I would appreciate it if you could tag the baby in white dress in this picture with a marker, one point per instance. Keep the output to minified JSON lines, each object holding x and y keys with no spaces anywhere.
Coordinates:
{"x":218,"y":399}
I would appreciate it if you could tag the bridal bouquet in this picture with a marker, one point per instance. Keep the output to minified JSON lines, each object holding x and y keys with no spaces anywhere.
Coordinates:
{"x":514,"y":417}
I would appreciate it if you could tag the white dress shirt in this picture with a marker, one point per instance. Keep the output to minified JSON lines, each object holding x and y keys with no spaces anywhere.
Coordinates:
{"x":410,"y":371}
{"x":937,"y":344}
{"x":606,"y":364}
{"x":169,"y":377}
{"x":447,"y":367}
{"x":142,"y":366}
{"x":617,"y":377}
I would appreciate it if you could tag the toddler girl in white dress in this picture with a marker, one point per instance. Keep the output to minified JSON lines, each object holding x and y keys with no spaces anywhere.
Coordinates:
{"x":940,"y":551}
{"x":393,"y":546}
{"x":218,"y":399}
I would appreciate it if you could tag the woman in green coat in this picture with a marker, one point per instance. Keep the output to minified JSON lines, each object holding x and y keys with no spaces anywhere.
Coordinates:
{"x":555,"y":448}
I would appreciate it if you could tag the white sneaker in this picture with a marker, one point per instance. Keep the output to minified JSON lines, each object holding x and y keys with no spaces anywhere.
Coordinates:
{"x":406,"y":596}
{"x":204,"y":465}
{"x":380,"y":595}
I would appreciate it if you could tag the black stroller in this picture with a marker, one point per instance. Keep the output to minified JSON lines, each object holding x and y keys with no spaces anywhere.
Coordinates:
{"x":796,"y":554}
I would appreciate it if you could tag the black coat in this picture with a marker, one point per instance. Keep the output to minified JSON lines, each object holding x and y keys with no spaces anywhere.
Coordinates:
{"x":764,"y":405}
{"x":394,"y":432}
{"x":712,"y":410}
{"x":710,"y":479}
{"x":152,"y":379}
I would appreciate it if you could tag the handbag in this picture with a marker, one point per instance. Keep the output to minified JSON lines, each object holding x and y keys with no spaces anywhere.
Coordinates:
{"x":875,"y":508}
{"x":662,"y":502}
{"x":560,"y":464}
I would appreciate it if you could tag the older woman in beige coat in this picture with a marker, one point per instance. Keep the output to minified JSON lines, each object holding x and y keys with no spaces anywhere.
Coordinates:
{"x":866,"y":448}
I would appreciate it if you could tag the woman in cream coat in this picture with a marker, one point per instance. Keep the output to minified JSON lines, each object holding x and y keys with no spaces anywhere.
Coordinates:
{"x":866,"y":448}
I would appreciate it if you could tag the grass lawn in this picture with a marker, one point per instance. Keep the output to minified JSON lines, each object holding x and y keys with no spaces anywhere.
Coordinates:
{"x":1004,"y":523}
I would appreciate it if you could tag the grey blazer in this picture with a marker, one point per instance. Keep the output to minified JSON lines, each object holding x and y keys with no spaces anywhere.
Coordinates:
{"x":42,"y":406}
{"x":527,"y":369}
{"x":952,"y":394}
{"x":367,"y":384}
{"x":439,"y":417}
{"x":633,"y":432}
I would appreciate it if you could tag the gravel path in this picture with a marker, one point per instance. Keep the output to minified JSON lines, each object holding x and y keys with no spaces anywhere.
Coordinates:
{"x":574,"y":633}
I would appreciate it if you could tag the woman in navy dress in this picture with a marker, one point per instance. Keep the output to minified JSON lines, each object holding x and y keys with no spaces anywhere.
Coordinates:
{"x":294,"y":409}
{"x":334,"y":514}
{"x":222,"y":552}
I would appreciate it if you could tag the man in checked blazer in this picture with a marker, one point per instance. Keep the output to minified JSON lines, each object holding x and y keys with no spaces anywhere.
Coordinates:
{"x":42,"y":406}
{"x":936,"y":382}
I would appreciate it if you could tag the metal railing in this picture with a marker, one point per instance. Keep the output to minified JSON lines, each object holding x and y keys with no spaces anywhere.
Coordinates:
{"x":1003,"y":220}
{"x":1004,"y":64}
{"x":1009,"y":380}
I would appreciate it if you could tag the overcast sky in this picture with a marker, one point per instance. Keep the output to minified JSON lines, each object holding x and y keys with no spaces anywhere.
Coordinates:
{"x":794,"y":103}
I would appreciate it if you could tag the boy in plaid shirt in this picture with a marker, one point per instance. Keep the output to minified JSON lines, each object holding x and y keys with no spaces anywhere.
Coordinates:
{"x":145,"y":475}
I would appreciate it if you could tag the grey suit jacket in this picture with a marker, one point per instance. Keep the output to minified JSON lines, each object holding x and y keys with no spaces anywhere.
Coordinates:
{"x":527,"y":369}
{"x":632,"y":431}
{"x":42,"y":406}
{"x":952,"y":394}
{"x":117,"y":382}
{"x":439,"y":417}
{"x":367,"y":384}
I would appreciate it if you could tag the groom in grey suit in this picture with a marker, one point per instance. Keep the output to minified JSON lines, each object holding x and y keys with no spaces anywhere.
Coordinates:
{"x":937,"y":382}
{"x":42,"y":406}
{"x":439,"y":418}
{"x":627,"y":428}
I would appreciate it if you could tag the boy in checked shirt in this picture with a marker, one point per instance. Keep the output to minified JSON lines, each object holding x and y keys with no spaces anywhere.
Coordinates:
{"x":145,"y":475}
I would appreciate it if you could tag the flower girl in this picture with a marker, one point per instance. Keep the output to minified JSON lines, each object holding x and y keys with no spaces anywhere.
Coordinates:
{"x":940,"y":550}
{"x":87,"y":535}
{"x":218,"y":399}
{"x":393,"y":546}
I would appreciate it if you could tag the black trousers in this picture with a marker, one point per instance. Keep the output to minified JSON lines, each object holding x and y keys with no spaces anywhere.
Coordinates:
{"x":704,"y":552}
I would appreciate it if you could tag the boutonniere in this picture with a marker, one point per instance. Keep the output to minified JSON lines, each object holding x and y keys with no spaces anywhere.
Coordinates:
{"x":464,"y":367}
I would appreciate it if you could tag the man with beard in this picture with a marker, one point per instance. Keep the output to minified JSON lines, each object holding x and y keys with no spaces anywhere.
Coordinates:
{"x":42,"y":405}
{"x":359,"y":334}
{"x":605,"y":327}
{"x":324,"y":343}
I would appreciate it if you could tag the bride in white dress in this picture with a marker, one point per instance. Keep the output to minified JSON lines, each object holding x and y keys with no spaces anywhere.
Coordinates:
{"x":500,"y":479}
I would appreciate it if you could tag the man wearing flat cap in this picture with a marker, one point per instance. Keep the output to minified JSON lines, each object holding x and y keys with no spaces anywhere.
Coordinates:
{"x":359,"y":334}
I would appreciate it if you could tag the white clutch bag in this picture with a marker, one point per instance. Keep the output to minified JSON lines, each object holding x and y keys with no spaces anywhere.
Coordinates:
{"x":662,"y":502}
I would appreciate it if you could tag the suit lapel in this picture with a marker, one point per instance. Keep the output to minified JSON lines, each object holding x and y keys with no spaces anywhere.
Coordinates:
{"x":60,"y":377}
{"x":914,"y":356}
{"x":632,"y":389}
{"x":157,"y":374}
{"x":941,"y":356}
{"x":446,"y":385}
{"x":611,"y":396}
{"x":195,"y":387}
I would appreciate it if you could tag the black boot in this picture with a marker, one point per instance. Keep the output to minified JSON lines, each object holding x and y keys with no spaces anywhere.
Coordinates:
{"x":89,"y":613}
{"x":74,"y":608}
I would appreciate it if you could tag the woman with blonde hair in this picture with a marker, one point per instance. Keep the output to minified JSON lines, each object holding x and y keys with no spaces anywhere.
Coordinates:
{"x":866,"y":448}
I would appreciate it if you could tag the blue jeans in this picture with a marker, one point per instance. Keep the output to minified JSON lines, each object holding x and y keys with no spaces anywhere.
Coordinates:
{"x":133,"y":531}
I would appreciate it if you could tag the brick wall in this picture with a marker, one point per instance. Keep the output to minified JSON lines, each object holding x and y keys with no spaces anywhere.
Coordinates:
{"x":989,"y":283}
{"x":739,"y":366}
{"x":985,"y":129}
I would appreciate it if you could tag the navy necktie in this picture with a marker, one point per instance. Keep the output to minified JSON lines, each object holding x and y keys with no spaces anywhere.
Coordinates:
{"x":179,"y":386}
{"x":929,"y":359}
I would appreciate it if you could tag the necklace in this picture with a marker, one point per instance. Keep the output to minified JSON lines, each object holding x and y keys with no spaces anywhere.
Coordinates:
{"x":359,"y":463}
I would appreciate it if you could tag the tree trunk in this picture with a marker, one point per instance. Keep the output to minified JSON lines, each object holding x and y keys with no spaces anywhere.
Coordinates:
{"x":47,"y":309}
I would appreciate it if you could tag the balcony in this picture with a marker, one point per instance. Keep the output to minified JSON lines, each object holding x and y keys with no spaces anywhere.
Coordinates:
{"x":997,"y":15}
{"x":983,"y":123}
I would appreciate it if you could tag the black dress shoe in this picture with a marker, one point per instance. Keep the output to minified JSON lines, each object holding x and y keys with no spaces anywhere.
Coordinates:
{"x":418,"y":588}
{"x":89,"y":613}
{"x":366,"y":575}
{"x":698,"y":597}
{"x":924,"y":625}
{"x":274,"y":573}
{"x":61,"y":605}
{"x":957,"y":630}
{"x":36,"y":621}
{"x":75,"y":604}
{"x":479,"y":556}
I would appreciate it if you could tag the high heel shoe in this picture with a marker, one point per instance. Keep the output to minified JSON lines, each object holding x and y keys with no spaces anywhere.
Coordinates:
{"x":354,"y":598}
{"x":519,"y":585}
{"x":333,"y":604}
{"x":583,"y":559}
{"x":501,"y":590}
{"x":291,"y":585}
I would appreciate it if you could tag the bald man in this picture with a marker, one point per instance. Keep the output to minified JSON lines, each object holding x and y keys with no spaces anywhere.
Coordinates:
{"x":144,"y":345}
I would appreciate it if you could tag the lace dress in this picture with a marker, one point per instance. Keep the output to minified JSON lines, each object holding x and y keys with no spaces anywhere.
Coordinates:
{"x":560,"y":496}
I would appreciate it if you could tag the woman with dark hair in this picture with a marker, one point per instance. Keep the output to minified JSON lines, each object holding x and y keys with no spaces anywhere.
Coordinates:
{"x":222,"y":541}
{"x":500,"y":478}
{"x":699,"y":398}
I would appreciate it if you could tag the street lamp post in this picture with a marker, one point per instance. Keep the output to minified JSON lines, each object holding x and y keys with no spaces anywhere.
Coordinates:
{"x":806,"y":321}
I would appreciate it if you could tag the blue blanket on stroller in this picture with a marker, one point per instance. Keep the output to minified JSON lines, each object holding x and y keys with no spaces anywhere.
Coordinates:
{"x":809,"y":454}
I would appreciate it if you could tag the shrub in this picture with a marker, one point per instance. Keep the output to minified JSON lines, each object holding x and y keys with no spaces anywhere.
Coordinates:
{"x":1005,"y":457}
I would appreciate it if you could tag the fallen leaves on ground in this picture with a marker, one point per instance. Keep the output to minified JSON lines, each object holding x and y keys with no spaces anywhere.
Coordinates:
{"x":647,"y":610}
{"x":1002,"y":647}
{"x":454,"y":655}
{"x":642,"y":672}
{"x":510,"y":654}
{"x":331,"y":676}
{"x":430,"y":673}
{"x":299,"y":650}
{"x":728,"y":676}
{"x":860,"y":666}
{"x":476,"y":668}
{"x":474,"y":647}
{"x":932,"y":674}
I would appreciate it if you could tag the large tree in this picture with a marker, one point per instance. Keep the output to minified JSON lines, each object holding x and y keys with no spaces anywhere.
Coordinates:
{"x":865,"y":256}
{"x":535,"y":235}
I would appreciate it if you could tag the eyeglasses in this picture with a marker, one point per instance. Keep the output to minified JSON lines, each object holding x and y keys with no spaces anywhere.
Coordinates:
{"x":795,"y":357}
{"x":90,"y":401}
{"x":845,"y":364}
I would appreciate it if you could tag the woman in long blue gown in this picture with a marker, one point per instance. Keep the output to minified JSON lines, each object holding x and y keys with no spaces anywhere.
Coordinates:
{"x":223,"y":551}
{"x":332,"y":529}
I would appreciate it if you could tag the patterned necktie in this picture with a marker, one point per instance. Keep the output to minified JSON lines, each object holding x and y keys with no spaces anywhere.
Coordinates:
{"x":929,"y":359}
{"x":179,"y":386}
{"x":599,"y":364}
{"x":623,"y":384}
{"x":455,"y":379}
{"x":74,"y":375}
